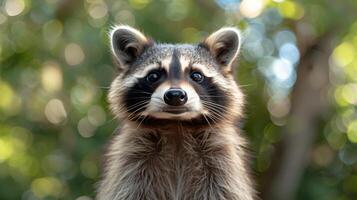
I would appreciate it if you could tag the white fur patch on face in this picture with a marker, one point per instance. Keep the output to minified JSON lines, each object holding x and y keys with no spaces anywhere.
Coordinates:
{"x":165,"y":63}
{"x":185,"y":62}
{"x":205,"y":70}
{"x":193,"y":101}
{"x":157,"y":98}
{"x":143,"y":73}
{"x":157,"y":103}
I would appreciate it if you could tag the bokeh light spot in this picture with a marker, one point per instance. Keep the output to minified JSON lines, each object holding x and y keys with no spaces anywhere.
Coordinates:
{"x":352,"y":131}
{"x":292,"y":10}
{"x":283,"y":37}
{"x":335,"y":139}
{"x":46,"y":186}
{"x":51,"y":77}
{"x":96,"y":115}
{"x":139,"y":4}
{"x":85,"y":128}
{"x":6,"y":149}
{"x":348,"y":154}
{"x":279,"y":108}
{"x":229,"y":5}
{"x":74,"y":54}
{"x":10,"y":102}
{"x":349,"y":93}
{"x":344,"y":54}
{"x":52,"y":30}
{"x":282,"y":69}
{"x":14,"y":7}
{"x":83,"y":93}
{"x":55,"y":112}
{"x":290,"y":52}
{"x":98,"y":10}
{"x":251,"y":8}
{"x":89,"y":168}
{"x":125,"y":16}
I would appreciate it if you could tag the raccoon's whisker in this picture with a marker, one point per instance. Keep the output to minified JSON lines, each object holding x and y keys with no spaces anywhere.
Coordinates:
{"x":215,"y":105}
{"x":217,"y":110}
{"x":133,"y":113}
{"x":209,"y":102}
{"x":122,"y":108}
{"x":218,"y":106}
{"x":133,"y":116}
{"x":207,"y":121}
{"x":223,"y":109}
{"x":141,"y":121}
{"x":217,"y":113}
{"x":215,"y":118}
{"x":211,"y":96}
{"x":212,"y":118}
{"x":139,"y":104}
{"x":138,"y":107}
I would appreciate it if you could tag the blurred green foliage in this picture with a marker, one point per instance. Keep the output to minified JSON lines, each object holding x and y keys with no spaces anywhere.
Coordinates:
{"x":56,"y":67}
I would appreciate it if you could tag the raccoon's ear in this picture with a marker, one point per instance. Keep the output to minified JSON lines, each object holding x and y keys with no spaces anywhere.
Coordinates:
{"x":127,"y":44}
{"x":224,"y":45}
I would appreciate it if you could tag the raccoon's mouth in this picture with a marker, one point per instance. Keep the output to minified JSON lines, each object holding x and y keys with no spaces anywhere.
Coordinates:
{"x":175,"y":110}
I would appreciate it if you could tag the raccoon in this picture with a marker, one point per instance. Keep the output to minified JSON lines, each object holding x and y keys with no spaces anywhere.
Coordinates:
{"x":178,"y":106}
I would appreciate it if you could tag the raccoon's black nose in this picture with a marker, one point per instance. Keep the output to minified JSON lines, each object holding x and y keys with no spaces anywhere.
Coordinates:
{"x":175,"y":97}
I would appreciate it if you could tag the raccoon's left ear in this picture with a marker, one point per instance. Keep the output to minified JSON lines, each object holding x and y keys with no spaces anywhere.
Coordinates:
{"x":224,"y":45}
{"x":127,"y":44}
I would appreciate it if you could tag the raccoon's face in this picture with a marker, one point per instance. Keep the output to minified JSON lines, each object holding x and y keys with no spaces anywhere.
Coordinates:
{"x":163,"y":83}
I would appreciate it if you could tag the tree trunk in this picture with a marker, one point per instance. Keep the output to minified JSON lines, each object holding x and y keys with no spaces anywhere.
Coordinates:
{"x":308,"y":103}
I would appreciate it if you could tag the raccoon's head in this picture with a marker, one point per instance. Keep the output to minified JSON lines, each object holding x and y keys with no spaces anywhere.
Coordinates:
{"x":163,"y":83}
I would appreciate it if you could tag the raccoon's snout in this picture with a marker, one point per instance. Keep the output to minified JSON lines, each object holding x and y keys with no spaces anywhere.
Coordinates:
{"x":175,"y":97}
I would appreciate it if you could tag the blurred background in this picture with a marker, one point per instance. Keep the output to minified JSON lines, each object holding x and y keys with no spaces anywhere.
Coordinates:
{"x":298,"y":68}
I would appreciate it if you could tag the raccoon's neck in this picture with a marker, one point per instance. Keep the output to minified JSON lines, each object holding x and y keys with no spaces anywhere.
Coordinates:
{"x":180,"y":163}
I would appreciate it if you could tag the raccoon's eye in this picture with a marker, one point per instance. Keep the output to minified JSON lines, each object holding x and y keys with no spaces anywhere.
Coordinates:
{"x":153,"y":77}
{"x":197,"y":77}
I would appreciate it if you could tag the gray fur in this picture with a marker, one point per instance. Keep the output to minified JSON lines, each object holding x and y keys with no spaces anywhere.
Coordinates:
{"x":161,"y":165}
{"x":158,"y":52}
{"x":174,"y":161}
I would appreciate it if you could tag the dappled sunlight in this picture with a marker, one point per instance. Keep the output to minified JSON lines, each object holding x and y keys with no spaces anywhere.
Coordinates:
{"x":73,"y":54}
{"x":14,"y":7}
{"x":55,"y":112}
{"x":56,"y":69}
{"x":47,"y":186}
{"x":51,"y":77}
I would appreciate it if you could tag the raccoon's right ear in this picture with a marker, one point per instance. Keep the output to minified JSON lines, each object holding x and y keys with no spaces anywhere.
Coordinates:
{"x":127,"y":44}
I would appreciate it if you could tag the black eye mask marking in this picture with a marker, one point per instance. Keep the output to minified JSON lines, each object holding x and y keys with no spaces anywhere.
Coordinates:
{"x":138,"y":96}
{"x":212,"y":97}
